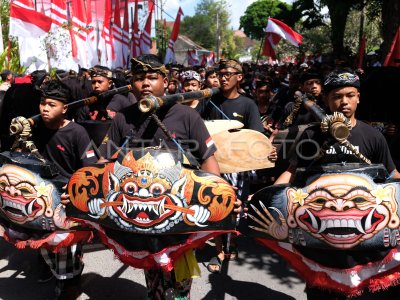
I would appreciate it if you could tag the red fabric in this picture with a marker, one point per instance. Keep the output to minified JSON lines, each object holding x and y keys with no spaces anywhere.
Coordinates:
{"x":29,"y":17}
{"x":25,"y":79}
{"x":322,"y":280}
{"x":145,"y":40}
{"x":361,"y":51}
{"x":58,"y":12}
{"x":271,"y":40}
{"x":135,"y":51}
{"x":393,"y":57}
{"x":284,"y":31}
{"x":145,"y":259}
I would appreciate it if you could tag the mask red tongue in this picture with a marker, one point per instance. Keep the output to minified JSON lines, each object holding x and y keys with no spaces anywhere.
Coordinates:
{"x":143,"y":215}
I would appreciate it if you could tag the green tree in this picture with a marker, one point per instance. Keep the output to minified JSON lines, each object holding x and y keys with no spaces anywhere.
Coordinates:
{"x":256,"y":15}
{"x":13,"y":64}
{"x":209,"y":26}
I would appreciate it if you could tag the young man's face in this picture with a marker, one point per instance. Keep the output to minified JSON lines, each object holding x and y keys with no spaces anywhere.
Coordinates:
{"x":101,"y":84}
{"x":263,"y":93}
{"x":229,"y":78}
{"x":212,"y":81}
{"x":344,"y":100}
{"x":312,"y":86}
{"x":191,"y":85}
{"x":52,"y":110}
{"x":172,"y":87}
{"x":150,"y":83}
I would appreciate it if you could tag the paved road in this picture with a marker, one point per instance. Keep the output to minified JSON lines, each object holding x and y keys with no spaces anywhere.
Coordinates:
{"x":257,"y":274}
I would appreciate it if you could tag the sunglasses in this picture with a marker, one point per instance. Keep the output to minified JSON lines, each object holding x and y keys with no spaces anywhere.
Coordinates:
{"x":227,"y":75}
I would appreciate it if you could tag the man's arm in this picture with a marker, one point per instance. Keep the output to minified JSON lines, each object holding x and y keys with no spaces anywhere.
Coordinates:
{"x":287,"y":176}
{"x":211,"y":165}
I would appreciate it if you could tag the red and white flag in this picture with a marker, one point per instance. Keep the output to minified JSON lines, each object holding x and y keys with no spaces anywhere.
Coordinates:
{"x":26,"y":22}
{"x":31,"y":28}
{"x":274,"y":32}
{"x":170,"y":55}
{"x":393,"y":57}
{"x":79,"y":32}
{"x":106,"y":42}
{"x":361,"y":52}
{"x":125,"y":35}
{"x":91,"y":39}
{"x":117,"y":37}
{"x":192,"y":58}
{"x":145,"y":40}
{"x":135,"y":44}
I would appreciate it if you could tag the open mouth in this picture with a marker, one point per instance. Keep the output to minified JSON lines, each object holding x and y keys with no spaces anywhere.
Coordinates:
{"x":18,"y":209}
{"x":339,"y":227}
{"x":144,"y":212}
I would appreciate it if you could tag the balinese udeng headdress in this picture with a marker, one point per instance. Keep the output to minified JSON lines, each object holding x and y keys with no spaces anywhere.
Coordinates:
{"x":100,"y":71}
{"x":337,"y":79}
{"x":56,"y":90}
{"x":147,"y":64}
{"x":230,"y":63}
{"x":189,"y":75}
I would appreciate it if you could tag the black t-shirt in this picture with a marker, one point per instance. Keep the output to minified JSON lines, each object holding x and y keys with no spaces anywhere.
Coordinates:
{"x":105,"y":109}
{"x":369,"y":142}
{"x":242,"y":109}
{"x":183,"y":122}
{"x":68,"y":147}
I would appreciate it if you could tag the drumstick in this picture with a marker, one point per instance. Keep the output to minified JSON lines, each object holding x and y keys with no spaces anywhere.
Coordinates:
{"x":169,"y":206}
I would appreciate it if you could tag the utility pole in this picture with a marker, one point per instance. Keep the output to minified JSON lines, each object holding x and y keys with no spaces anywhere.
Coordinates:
{"x":218,"y":36}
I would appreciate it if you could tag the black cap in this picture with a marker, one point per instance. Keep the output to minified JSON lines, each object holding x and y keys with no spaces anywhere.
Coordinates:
{"x":56,"y":90}
{"x":148,"y":63}
{"x":310,"y":74}
{"x":341,"y":78}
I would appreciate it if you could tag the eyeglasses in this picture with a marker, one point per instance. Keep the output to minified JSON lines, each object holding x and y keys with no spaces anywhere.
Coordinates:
{"x":227,"y":75}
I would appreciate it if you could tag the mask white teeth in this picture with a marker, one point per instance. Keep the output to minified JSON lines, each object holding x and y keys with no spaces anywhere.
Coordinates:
{"x":323,"y":226}
{"x":359,"y":226}
{"x":125,"y":205}
{"x":314,"y":222}
{"x":368,"y":222}
{"x":161,"y":209}
{"x":30,"y":208}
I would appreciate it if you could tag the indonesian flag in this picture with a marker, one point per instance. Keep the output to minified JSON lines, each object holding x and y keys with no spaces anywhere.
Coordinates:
{"x":79,"y":33}
{"x":26,"y":22}
{"x":125,"y":36}
{"x":393,"y":57}
{"x":117,"y":37}
{"x":361,"y":51}
{"x":274,"y":32}
{"x":91,"y":39}
{"x":145,"y":41}
{"x":58,"y":12}
{"x":170,"y":55}
{"x":210,"y":59}
{"x":135,"y":50}
{"x":31,"y":28}
{"x":106,"y":42}
{"x":192,"y":58}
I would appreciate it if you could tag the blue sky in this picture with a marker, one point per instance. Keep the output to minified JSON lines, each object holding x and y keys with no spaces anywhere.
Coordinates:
{"x":236,"y":8}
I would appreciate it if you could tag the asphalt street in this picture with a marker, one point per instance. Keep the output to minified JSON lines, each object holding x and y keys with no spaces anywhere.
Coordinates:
{"x":256,"y":274}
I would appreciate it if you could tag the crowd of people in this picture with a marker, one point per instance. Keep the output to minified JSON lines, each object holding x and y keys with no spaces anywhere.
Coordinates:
{"x":264,"y":98}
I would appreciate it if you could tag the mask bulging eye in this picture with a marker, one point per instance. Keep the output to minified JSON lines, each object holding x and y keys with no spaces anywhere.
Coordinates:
{"x":157,"y":189}
{"x":130,"y":188}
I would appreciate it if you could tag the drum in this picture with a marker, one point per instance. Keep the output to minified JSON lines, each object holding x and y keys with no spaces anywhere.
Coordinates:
{"x":30,"y":203}
{"x":335,"y":206}
{"x":145,"y":205}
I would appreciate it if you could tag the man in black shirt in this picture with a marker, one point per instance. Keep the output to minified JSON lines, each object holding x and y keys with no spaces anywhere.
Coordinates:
{"x":105,"y":109}
{"x":341,"y":90}
{"x":132,"y":128}
{"x":64,"y":143}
